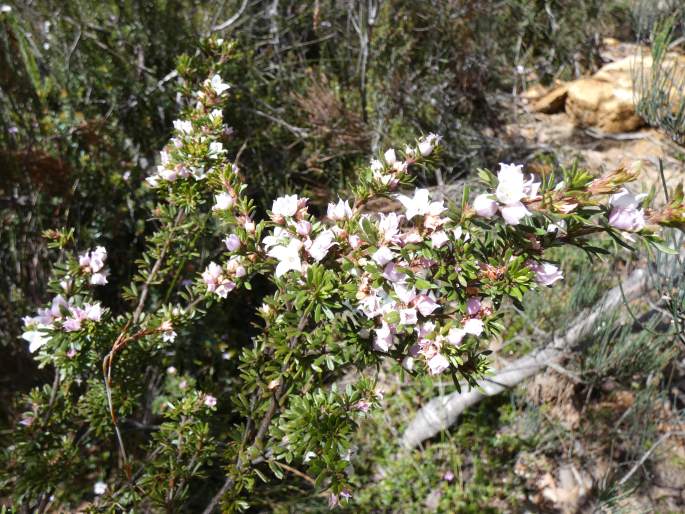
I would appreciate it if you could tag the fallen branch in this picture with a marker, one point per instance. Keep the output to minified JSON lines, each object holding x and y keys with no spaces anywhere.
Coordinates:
{"x":441,"y":412}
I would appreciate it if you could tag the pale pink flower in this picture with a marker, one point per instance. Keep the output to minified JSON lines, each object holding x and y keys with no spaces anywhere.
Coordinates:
{"x":362,"y":405}
{"x":183,"y":126}
{"x":384,"y":338}
{"x":320,"y":246}
{"x":408,"y":316}
{"x":72,"y":324}
{"x":389,"y":227}
{"x":405,"y":295}
{"x":211,"y":276}
{"x":93,"y":311}
{"x":225,"y":287}
{"x":408,"y":363}
{"x":546,"y":273}
{"x":232,"y":242}
{"x":383,"y":255}
{"x":391,"y":274}
{"x":626,"y":213}
{"x":473,"y":306}
{"x":209,"y":401}
{"x":303,"y":227}
{"x":426,"y":305}
{"x":93,"y":262}
{"x":355,"y":241}
{"x":437,"y":364}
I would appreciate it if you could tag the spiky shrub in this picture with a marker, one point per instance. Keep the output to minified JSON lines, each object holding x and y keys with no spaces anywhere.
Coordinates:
{"x":659,"y":81}
{"x":151,"y":408}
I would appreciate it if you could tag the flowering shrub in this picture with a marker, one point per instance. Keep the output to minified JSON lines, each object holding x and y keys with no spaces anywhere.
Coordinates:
{"x":422,"y":285}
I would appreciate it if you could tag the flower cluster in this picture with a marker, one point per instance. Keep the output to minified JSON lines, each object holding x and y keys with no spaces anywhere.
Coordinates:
{"x":194,"y":148}
{"x":61,"y":315}
{"x":93,"y":263}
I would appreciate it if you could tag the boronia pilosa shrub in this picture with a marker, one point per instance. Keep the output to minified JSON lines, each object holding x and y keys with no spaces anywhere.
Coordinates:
{"x":126,"y":423}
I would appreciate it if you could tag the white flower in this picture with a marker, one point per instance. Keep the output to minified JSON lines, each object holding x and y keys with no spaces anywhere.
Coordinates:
{"x":36,"y":338}
{"x":319,"y":248}
{"x":439,"y":238}
{"x":473,"y":326}
{"x":510,"y":189}
{"x":285,"y":206}
{"x":153,"y":181}
{"x":514,"y":213}
{"x":198,"y":172}
{"x":5,"y":8}
{"x":277,"y":237}
{"x":437,"y":364}
{"x":288,"y":257}
{"x":99,"y":488}
{"x":455,"y":335}
{"x":383,"y":255}
{"x":428,"y":143}
{"x":408,"y":363}
{"x":390,"y":156}
{"x":216,"y":114}
{"x":183,"y":126}
{"x":339,"y":211}
{"x":223,"y":201}
{"x":217,"y":84}
{"x":169,"y":336}
{"x":376,"y":166}
{"x":215,"y":149}
{"x":485,"y":206}
{"x":389,"y":227}
{"x":420,"y":204}
{"x":99,"y":279}
{"x":209,"y":401}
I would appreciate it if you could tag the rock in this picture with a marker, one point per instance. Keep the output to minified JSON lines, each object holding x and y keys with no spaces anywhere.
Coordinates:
{"x":552,"y":102}
{"x":601,"y":104}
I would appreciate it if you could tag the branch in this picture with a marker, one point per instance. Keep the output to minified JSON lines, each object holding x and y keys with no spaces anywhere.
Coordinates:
{"x":232,"y":19}
{"x":441,"y":412}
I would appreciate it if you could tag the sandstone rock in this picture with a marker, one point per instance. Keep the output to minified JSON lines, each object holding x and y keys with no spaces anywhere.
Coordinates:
{"x":602,"y":104}
{"x":552,"y":102}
